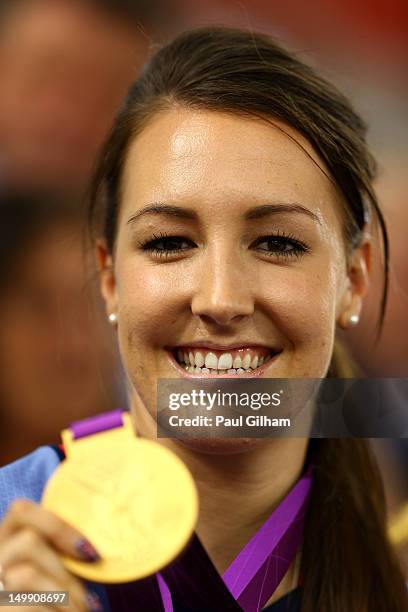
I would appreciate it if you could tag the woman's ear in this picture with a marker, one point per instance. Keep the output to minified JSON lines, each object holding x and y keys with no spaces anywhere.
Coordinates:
{"x":107,"y":278}
{"x":357,"y":283}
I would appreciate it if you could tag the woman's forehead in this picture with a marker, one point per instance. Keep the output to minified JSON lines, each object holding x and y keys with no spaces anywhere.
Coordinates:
{"x":202,"y":156}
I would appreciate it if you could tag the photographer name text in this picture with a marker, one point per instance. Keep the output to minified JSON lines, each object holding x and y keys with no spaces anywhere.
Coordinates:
{"x":221,"y":421}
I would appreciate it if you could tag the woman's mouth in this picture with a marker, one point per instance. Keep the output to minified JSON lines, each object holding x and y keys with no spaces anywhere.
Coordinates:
{"x":239,"y":361}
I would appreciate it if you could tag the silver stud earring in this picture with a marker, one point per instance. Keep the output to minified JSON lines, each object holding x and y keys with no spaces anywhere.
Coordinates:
{"x":113,"y":318}
{"x":354,"y":319}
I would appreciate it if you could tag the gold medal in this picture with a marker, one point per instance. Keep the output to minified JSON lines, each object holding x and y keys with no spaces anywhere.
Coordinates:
{"x":132,"y":498}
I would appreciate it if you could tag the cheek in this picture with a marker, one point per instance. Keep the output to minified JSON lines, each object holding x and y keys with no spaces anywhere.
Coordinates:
{"x":303,"y":304}
{"x":149,"y":303}
{"x":302,"y":299}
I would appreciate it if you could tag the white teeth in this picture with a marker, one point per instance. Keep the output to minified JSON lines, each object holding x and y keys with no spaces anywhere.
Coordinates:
{"x":237,"y":362}
{"x":194,"y":362}
{"x":211,"y":361}
{"x":254,"y":362}
{"x":246,"y":362}
{"x":225,"y":361}
{"x":197,"y":370}
{"x":199,"y":359}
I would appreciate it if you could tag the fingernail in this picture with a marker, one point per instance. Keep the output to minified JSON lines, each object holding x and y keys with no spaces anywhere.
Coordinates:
{"x":87,"y":551}
{"x":93,"y":602}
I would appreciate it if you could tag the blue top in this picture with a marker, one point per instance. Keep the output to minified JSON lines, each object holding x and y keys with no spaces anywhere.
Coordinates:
{"x":27,"y":477}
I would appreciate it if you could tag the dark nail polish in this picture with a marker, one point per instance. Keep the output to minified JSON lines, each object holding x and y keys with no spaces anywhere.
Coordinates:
{"x":93,"y":602}
{"x":87,"y":551}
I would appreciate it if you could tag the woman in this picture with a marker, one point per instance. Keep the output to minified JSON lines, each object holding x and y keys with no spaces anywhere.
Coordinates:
{"x":235,"y":194}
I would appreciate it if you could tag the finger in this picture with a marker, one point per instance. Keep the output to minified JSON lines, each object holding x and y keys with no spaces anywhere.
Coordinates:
{"x":27,"y":546}
{"x":1,"y":578}
{"x":25,"y":577}
{"x":93,"y":602}
{"x":66,"y":539}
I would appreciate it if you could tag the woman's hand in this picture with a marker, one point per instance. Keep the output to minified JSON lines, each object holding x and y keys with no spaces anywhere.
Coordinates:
{"x":31,"y":541}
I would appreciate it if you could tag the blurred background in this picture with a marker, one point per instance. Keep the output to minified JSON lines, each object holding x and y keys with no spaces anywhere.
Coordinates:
{"x":65,"y":66}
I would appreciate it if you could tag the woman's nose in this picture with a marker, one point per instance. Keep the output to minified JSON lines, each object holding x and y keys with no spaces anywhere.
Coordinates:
{"x":223,"y":294}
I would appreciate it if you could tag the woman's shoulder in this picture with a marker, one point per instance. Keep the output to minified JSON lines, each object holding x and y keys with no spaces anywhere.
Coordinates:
{"x":27,"y":476}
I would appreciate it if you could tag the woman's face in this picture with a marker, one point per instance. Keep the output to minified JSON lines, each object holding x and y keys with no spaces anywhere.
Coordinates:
{"x":229,"y":253}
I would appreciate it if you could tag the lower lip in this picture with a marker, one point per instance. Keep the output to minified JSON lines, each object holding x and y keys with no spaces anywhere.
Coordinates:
{"x":252,"y":374}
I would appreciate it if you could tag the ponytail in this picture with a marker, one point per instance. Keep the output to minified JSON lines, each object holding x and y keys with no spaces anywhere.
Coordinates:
{"x":348,"y":562}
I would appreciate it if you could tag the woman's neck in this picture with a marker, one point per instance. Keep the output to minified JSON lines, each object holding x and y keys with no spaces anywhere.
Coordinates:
{"x":238,"y":492}
{"x":239,"y":484}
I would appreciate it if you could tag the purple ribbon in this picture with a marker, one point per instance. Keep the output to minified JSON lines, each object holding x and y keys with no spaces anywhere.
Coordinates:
{"x":96,"y":424}
{"x":256,"y":572}
{"x":249,"y":581}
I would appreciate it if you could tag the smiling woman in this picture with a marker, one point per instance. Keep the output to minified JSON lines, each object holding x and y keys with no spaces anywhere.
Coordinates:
{"x":235,"y":229}
{"x":237,"y":238}
{"x":271,"y":219}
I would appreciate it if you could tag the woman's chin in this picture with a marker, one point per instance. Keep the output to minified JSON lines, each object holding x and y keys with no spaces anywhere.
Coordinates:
{"x":221,"y":446}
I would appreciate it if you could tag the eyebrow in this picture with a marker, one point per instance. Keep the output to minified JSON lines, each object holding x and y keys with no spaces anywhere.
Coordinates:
{"x":164,"y":209}
{"x":257,"y":212}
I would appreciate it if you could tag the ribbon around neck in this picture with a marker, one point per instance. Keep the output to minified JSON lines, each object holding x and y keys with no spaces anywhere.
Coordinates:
{"x":258,"y":569}
{"x":249,"y":581}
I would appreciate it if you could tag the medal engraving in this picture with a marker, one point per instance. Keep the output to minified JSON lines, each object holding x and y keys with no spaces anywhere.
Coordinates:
{"x":132,"y":498}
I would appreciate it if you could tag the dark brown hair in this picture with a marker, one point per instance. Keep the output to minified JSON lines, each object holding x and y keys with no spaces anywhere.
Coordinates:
{"x":348,"y":563}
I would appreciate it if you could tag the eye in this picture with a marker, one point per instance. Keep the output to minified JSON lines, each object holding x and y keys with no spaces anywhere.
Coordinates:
{"x":163,"y":245}
{"x":280,"y":245}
